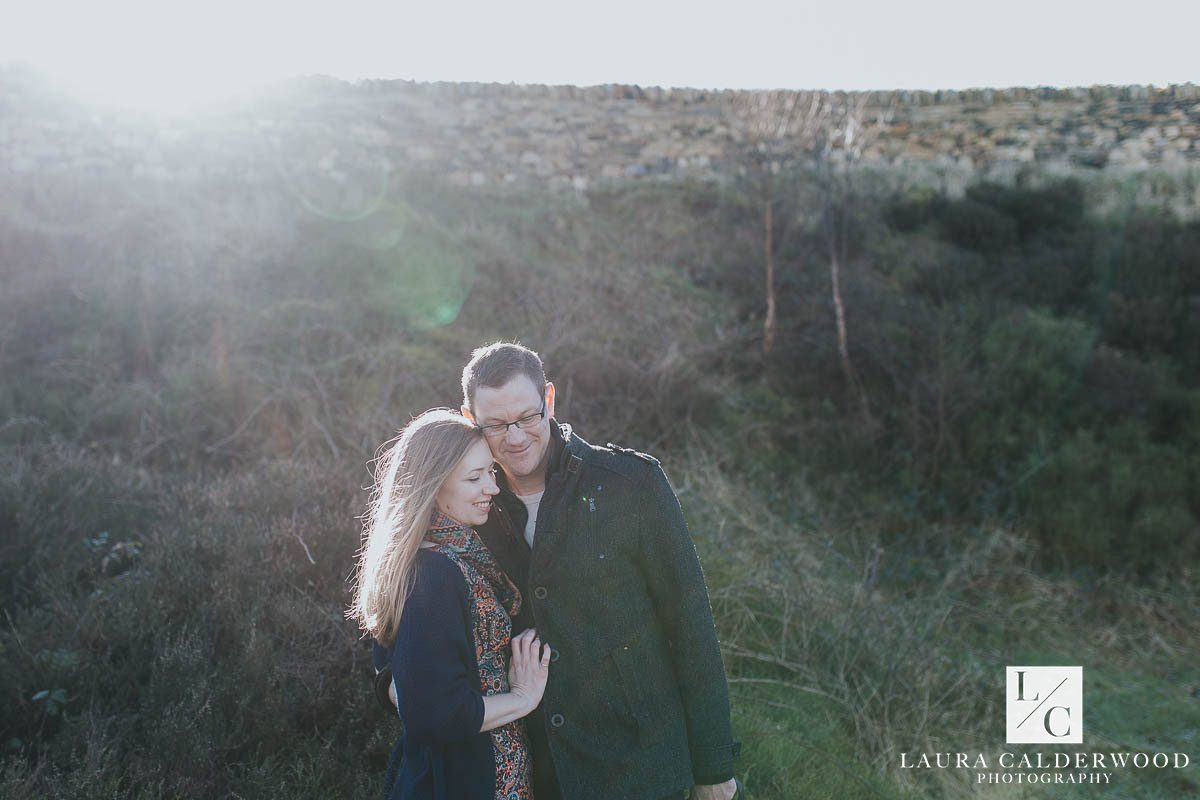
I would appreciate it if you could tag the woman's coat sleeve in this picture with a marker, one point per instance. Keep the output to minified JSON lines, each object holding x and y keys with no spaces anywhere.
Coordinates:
{"x":434,"y":662}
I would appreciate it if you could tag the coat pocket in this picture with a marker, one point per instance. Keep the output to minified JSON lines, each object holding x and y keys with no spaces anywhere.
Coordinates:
{"x":629,"y":663}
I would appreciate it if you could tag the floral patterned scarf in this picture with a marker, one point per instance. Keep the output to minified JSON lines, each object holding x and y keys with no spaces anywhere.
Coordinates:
{"x":468,"y":547}
{"x":494,"y":601}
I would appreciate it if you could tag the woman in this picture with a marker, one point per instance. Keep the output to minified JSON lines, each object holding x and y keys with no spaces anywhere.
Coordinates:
{"x":430,"y":591}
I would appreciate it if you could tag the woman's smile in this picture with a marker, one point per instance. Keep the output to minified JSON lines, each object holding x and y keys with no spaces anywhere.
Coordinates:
{"x":466,"y":496}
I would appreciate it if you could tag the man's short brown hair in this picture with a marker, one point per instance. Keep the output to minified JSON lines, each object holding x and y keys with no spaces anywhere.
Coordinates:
{"x":498,"y":363}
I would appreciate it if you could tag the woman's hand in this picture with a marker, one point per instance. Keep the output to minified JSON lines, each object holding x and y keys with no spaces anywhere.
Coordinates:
{"x":529,"y":668}
{"x":527,"y":672}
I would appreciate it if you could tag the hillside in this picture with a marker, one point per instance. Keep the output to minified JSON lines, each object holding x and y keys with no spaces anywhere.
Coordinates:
{"x":206,"y":331}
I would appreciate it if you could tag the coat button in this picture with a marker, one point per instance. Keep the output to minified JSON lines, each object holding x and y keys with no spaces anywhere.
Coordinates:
{"x":557,"y":720}
{"x":540,"y":593}
{"x":554,"y":654}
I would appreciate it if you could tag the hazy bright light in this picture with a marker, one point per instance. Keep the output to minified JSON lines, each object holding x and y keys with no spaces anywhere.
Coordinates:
{"x":164,"y":55}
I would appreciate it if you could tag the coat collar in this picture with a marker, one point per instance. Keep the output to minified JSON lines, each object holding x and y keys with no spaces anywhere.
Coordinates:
{"x":563,"y":469}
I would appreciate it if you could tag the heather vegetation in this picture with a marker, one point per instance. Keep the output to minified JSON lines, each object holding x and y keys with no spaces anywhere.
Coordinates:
{"x":194,"y":381}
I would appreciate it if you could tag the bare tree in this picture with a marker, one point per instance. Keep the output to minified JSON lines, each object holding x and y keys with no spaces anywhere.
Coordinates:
{"x":827,"y":132}
{"x":778,"y":127}
{"x":838,"y":154}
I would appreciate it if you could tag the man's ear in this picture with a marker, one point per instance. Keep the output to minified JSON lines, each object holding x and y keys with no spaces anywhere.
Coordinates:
{"x":549,"y":399}
{"x":466,"y":412}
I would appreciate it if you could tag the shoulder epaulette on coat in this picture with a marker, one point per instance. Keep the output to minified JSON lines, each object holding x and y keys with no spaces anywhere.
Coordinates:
{"x":649,"y":459}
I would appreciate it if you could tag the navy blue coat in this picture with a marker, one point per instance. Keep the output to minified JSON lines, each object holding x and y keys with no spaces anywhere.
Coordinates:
{"x":442,"y":755}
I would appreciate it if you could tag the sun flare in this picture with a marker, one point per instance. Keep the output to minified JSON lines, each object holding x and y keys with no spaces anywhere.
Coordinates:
{"x":163,"y":88}
{"x":139,"y":57}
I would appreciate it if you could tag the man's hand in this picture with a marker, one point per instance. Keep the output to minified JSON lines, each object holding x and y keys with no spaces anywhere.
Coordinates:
{"x":720,"y":791}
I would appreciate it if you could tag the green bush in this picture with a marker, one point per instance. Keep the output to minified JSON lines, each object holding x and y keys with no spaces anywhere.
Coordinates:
{"x":1037,"y":211}
{"x":1116,"y":501}
{"x":978,"y":226}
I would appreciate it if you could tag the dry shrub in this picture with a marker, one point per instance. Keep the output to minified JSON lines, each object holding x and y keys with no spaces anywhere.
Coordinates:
{"x":215,"y":661}
{"x":633,"y":346}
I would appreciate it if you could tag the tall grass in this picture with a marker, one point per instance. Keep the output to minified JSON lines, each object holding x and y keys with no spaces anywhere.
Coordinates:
{"x":851,"y":635}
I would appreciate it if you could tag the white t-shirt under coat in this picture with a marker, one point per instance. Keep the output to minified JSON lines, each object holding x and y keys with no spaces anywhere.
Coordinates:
{"x":531,"y":501}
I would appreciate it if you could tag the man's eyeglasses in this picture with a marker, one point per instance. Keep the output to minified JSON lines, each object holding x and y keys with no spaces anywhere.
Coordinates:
{"x":498,"y":429}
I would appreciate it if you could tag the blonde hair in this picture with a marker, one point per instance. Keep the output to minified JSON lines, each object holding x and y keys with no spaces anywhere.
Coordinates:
{"x":408,"y":476}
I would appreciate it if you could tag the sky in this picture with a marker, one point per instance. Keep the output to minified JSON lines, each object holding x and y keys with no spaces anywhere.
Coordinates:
{"x":159,"y":53}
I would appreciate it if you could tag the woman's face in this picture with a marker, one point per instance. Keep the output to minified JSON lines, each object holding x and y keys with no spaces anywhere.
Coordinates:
{"x":466,"y":496}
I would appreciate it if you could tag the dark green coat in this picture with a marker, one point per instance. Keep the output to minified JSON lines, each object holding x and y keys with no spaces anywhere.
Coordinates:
{"x":637,"y":704}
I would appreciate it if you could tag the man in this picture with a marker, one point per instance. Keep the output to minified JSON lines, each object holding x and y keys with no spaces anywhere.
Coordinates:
{"x":637,"y":706}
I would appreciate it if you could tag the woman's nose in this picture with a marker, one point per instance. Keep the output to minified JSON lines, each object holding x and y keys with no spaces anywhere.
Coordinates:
{"x":490,"y":487}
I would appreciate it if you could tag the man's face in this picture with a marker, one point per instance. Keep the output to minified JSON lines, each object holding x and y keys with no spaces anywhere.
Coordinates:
{"x":521,"y":452}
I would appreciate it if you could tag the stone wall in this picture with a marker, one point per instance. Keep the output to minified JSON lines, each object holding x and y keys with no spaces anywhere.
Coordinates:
{"x":478,"y":134}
